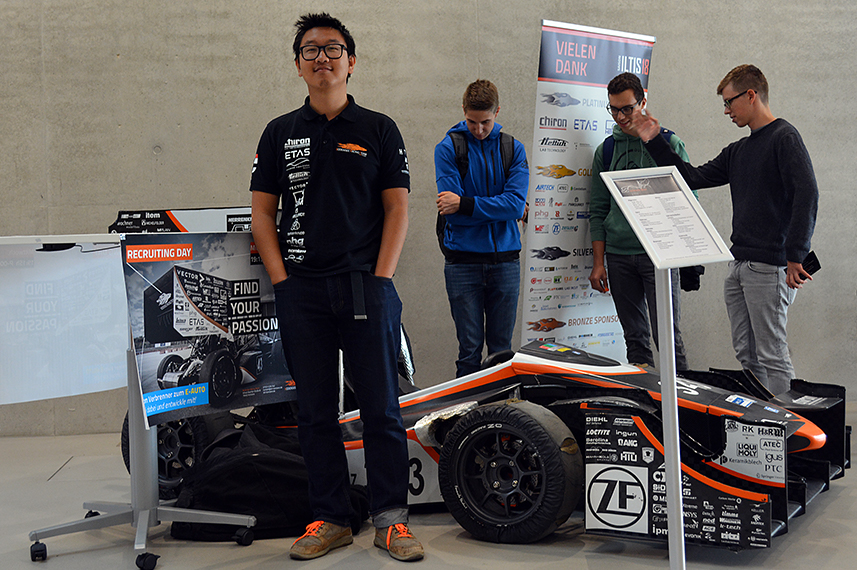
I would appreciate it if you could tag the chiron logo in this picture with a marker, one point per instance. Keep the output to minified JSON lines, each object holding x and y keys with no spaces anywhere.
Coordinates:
{"x":553,"y":123}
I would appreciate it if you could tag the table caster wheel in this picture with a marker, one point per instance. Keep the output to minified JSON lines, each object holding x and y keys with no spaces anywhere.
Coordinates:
{"x":38,"y":551}
{"x":147,"y":561}
{"x":243,"y":536}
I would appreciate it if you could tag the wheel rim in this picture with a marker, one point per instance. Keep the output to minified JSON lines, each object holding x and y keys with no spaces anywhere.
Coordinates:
{"x":501,"y":475}
{"x":222,"y":377}
{"x":175,"y":451}
{"x":173,"y":365}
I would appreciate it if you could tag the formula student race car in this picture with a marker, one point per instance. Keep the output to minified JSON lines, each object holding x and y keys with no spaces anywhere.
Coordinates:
{"x":224,"y":363}
{"x":514,"y":449}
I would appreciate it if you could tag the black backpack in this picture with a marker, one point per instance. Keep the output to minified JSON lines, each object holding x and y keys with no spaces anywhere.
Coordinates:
{"x":254,"y":471}
{"x":462,"y":160}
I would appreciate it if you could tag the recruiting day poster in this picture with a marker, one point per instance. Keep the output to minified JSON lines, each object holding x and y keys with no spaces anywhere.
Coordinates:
{"x":202,"y":316}
{"x":575,"y":66}
{"x":63,"y":323}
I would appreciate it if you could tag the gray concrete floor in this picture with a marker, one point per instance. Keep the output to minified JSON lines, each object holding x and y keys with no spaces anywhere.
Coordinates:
{"x":45,"y":480}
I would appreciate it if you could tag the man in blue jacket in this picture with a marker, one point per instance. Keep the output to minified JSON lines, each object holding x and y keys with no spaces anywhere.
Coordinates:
{"x":481,"y":196}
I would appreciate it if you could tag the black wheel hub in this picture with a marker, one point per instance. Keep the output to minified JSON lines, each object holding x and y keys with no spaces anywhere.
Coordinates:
{"x":175,"y":451}
{"x":501,"y":476}
{"x":223,"y":377}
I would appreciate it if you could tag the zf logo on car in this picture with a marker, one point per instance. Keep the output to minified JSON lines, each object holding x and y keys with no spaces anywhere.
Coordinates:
{"x":616,"y":498}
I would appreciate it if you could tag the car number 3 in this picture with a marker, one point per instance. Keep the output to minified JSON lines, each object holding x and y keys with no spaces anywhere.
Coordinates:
{"x":418,"y":482}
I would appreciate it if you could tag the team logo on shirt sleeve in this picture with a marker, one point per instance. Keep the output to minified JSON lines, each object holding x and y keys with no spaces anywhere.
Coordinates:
{"x":352,"y":148}
{"x":404,"y":154}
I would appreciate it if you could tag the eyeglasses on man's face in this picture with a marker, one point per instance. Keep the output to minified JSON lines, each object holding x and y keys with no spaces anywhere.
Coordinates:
{"x":332,"y":51}
{"x":626,"y":110}
{"x":728,"y":102}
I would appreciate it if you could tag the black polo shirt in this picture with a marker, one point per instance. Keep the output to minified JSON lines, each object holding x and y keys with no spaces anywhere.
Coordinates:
{"x":330,"y":175}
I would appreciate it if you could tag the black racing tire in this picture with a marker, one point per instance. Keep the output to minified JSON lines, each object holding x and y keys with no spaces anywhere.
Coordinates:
{"x":510,"y":472}
{"x":170,"y":363}
{"x":223,"y":376}
{"x":180,"y":444}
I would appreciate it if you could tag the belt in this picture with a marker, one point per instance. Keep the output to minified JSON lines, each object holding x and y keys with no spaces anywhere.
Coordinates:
{"x":357,"y":295}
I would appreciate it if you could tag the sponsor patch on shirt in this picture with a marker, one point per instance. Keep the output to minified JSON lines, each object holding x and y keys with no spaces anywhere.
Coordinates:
{"x":352,"y":148}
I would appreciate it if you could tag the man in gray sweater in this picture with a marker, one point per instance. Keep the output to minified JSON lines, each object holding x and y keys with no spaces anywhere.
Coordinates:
{"x":774,"y":205}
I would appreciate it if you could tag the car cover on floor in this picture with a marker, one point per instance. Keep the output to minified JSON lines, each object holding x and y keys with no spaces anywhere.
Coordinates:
{"x":254,"y":471}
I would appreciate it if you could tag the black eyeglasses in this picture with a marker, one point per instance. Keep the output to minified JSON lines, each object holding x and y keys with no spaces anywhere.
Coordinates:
{"x":728,"y":102}
{"x":332,"y":51}
{"x":626,"y":110}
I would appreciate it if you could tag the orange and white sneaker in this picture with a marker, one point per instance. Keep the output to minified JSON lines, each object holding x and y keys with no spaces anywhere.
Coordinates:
{"x":399,"y":542}
{"x":320,"y":538}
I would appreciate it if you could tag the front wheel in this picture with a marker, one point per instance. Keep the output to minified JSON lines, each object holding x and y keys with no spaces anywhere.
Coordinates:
{"x":180,"y":444}
{"x":510,"y":472}
{"x":170,"y":363}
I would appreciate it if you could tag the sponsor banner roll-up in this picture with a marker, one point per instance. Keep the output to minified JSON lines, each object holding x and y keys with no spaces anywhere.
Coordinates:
{"x":575,"y":66}
{"x":202,"y":316}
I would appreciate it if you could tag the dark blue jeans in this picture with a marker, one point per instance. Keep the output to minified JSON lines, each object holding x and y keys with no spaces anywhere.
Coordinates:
{"x":632,"y":285}
{"x":483,"y":299}
{"x":316,"y":318}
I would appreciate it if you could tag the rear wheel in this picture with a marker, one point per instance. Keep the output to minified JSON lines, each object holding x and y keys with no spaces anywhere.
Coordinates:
{"x":510,"y":472}
{"x":222,"y":374}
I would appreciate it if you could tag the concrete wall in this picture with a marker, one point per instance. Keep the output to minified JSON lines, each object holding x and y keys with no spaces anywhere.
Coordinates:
{"x":112,"y":105}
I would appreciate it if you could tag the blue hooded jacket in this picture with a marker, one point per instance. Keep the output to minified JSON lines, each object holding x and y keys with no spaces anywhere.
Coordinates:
{"x":485,"y":228}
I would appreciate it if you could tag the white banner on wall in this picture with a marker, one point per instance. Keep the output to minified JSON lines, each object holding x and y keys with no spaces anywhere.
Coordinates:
{"x":63,"y":319}
{"x":575,"y":66}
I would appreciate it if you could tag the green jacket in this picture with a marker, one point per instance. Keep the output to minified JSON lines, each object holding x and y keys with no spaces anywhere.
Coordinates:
{"x":606,"y":221}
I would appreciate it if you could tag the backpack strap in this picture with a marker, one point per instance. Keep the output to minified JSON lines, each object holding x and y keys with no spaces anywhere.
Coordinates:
{"x":507,"y":152}
{"x":459,"y":145}
{"x":607,"y":151}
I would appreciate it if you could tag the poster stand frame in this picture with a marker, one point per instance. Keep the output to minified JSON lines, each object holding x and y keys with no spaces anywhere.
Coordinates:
{"x":145,"y":509}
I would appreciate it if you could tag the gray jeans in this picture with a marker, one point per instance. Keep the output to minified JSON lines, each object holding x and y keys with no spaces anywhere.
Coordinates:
{"x":632,"y":286}
{"x":757,"y":301}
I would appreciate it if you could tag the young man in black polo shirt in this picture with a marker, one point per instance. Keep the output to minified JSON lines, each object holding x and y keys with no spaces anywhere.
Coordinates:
{"x":341,"y":172}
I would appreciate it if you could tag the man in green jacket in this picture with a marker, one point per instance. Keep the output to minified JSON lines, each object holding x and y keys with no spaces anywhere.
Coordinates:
{"x":631,"y":273}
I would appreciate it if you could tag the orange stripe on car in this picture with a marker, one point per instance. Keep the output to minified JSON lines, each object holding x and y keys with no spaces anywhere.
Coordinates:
{"x":750,"y":496}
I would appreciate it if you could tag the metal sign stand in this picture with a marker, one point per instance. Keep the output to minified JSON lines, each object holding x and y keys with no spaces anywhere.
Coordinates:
{"x":675,"y":232}
{"x":145,"y":510}
{"x":669,"y":413}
